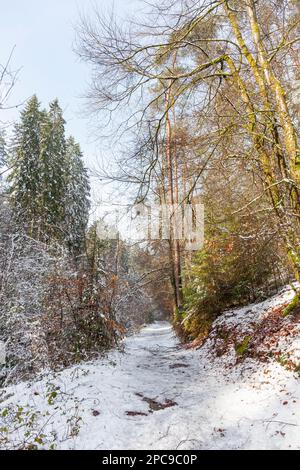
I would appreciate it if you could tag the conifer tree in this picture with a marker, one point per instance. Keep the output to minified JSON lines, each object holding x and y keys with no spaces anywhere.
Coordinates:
{"x":25,"y":177}
{"x":53,"y":171}
{"x":2,"y":156}
{"x":77,"y":196}
{"x":49,"y":184}
{"x":2,"y":148}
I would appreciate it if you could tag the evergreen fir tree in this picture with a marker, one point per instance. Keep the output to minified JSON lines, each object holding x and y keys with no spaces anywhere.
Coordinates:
{"x":25,"y":177}
{"x":77,"y":197}
{"x":49,"y":183}
{"x":2,"y":149}
{"x":53,"y":170}
{"x":3,"y":156}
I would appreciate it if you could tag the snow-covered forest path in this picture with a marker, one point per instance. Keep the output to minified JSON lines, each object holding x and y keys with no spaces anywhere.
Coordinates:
{"x":148,"y":397}
{"x":155,"y":394}
{"x":158,"y":395}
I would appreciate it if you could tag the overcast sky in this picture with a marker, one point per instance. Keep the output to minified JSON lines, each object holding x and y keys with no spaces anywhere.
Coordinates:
{"x":43,"y":35}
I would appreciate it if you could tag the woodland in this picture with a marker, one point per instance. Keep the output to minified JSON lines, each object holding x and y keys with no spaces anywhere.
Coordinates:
{"x":201,"y":100}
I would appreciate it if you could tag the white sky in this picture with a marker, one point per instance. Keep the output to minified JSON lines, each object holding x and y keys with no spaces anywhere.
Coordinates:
{"x":43,"y":35}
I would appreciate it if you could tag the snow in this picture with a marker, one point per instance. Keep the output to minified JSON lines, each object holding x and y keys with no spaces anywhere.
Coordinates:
{"x":155,"y":394}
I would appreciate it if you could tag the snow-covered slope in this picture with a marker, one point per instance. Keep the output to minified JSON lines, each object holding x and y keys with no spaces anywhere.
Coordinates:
{"x":232,"y":393}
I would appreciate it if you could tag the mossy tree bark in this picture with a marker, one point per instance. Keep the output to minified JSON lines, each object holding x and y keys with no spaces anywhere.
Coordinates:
{"x":282,"y":180}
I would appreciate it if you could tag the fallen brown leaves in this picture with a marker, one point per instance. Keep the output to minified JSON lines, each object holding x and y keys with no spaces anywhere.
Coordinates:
{"x":258,"y":339}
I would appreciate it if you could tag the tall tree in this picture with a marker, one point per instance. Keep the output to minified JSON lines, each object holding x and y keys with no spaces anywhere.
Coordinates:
{"x":26,"y":173}
{"x":2,"y":148}
{"x":3,"y":152}
{"x":77,"y":191}
{"x":3,"y":156}
{"x":53,"y":171}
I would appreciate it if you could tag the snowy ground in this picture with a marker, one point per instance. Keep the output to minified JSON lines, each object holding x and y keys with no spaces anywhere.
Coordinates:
{"x":158,"y":395}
